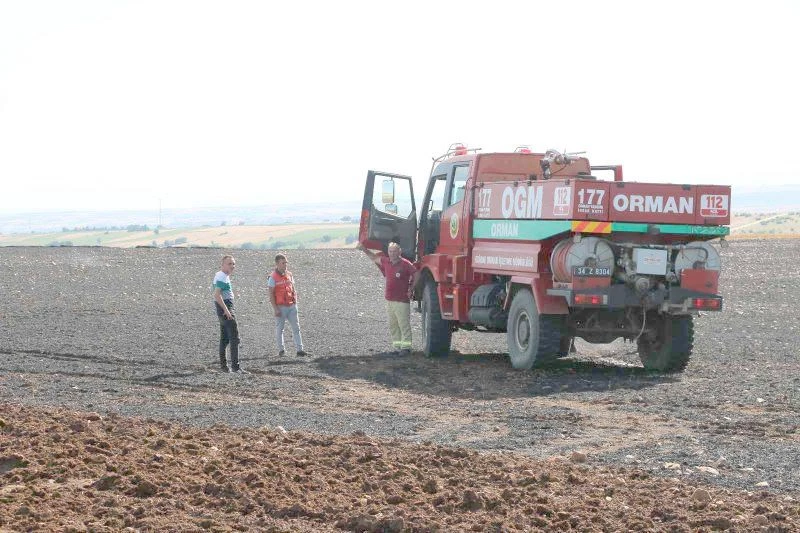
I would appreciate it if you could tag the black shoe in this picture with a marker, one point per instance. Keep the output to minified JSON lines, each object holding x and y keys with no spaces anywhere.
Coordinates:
{"x":301,"y":353}
{"x":224,"y":368}
{"x":281,"y":353}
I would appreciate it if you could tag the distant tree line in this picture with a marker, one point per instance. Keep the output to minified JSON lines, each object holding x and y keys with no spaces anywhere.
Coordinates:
{"x":275,"y":245}
{"x":296,"y":245}
{"x":179,"y":240}
{"x":130,"y":227}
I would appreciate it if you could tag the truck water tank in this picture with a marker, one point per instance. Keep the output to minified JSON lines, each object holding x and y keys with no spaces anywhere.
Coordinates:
{"x":588,"y":252}
{"x":698,"y":254}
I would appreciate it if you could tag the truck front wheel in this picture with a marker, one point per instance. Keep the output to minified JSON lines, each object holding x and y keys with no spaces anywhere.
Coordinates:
{"x":436,"y":332}
{"x":671,"y":349}
{"x":533,"y":339}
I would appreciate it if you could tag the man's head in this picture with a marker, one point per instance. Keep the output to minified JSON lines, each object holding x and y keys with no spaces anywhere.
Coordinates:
{"x":228,"y":264}
{"x":280,"y":263}
{"x":394,"y":252}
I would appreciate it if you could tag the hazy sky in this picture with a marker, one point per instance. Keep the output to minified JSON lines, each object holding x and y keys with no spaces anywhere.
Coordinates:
{"x":113,"y":104}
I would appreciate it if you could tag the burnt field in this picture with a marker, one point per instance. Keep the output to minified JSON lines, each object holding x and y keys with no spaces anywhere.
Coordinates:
{"x":114,"y":413}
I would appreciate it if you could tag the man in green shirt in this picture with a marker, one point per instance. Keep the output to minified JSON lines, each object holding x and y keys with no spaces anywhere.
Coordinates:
{"x":223,"y":302}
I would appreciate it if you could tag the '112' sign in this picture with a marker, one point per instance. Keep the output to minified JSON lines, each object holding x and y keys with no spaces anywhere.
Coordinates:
{"x":714,"y":205}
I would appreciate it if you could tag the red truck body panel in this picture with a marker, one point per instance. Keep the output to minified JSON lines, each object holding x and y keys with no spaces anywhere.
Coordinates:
{"x":581,"y":199}
{"x":510,"y":187}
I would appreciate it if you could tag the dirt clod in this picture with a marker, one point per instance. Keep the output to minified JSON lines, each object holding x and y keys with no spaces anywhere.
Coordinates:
{"x":578,"y":457}
{"x":145,"y":489}
{"x":472,"y":501}
{"x":106,"y":482}
{"x":701,"y":496}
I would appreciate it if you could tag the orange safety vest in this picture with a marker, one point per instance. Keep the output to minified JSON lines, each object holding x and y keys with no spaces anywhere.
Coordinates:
{"x":284,"y":288}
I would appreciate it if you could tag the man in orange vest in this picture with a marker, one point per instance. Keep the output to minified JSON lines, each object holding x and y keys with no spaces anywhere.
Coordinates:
{"x":283,"y":297}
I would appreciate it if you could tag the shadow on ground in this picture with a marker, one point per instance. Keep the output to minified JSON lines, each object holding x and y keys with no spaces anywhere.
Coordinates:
{"x":488,"y":376}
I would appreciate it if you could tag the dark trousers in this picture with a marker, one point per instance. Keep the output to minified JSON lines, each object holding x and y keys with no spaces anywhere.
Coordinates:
{"x":229,"y":336}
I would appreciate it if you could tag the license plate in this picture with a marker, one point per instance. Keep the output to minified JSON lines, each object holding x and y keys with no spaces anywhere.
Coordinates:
{"x":592,"y":272}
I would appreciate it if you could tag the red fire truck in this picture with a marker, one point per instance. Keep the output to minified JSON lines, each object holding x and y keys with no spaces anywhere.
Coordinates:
{"x":537,"y":245}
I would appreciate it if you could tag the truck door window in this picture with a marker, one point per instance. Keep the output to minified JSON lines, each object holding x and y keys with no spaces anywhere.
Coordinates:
{"x":437,"y":194}
{"x":460,"y":175}
{"x":432,"y":214}
{"x":401,"y":206}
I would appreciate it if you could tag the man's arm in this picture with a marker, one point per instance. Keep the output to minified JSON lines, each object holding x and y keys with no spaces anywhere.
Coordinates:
{"x":221,"y":303}
{"x":374,"y":257}
{"x":276,"y":310}
{"x":412,"y":280}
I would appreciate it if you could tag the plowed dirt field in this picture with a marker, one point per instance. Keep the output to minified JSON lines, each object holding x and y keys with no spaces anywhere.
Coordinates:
{"x":113,"y":414}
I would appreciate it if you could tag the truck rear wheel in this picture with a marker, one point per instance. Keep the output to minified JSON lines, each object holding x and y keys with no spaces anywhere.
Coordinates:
{"x":533,"y":339}
{"x":672,"y":348}
{"x":436,"y":332}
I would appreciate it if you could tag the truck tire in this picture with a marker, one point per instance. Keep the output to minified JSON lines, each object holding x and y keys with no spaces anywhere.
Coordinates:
{"x":671,"y":350}
{"x":436,"y":332}
{"x":533,"y":339}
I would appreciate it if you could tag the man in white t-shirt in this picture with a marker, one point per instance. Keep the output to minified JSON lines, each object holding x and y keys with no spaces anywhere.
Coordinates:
{"x":223,"y":302}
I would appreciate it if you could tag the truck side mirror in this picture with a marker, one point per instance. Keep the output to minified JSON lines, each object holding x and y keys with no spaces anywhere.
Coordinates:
{"x":390,"y":208}
{"x":387,"y":192}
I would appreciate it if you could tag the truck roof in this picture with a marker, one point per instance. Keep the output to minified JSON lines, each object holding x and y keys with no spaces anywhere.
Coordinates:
{"x":497,"y":166}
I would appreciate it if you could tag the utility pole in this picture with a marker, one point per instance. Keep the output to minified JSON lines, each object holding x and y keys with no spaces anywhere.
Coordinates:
{"x":159,"y":212}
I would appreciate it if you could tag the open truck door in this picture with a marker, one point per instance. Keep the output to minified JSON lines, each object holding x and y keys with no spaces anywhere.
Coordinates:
{"x":388,"y":213}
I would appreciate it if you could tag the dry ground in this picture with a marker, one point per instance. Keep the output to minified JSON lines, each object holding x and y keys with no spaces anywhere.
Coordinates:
{"x":113,"y":415}
{"x":783,"y":225}
{"x":83,"y":472}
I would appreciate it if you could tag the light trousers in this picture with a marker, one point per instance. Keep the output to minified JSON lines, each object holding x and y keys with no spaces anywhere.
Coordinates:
{"x":288,"y":313}
{"x":399,"y":324}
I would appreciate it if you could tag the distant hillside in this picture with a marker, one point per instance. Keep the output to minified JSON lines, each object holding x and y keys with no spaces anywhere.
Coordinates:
{"x":765,"y":224}
{"x":774,"y":199}
{"x":278,"y":237}
{"x":181,"y":218}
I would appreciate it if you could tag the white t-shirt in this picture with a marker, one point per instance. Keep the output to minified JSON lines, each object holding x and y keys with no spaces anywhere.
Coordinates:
{"x":223,"y":281}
